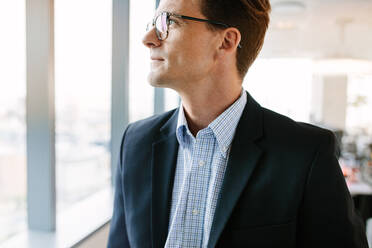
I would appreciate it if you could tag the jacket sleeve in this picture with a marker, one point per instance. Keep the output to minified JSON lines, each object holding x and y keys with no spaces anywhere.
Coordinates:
{"x":327,"y":217}
{"x":118,"y":237}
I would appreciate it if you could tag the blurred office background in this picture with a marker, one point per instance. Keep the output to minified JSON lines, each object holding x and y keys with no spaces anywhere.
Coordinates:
{"x":73,"y":74}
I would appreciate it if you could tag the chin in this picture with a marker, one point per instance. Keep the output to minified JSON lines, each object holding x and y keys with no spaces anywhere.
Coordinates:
{"x":157,"y":80}
{"x":158,"y":84}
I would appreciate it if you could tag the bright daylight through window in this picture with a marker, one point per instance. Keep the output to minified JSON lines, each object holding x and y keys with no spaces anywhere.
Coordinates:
{"x":141,"y":94}
{"x":13,"y":171}
{"x":83,"y":89}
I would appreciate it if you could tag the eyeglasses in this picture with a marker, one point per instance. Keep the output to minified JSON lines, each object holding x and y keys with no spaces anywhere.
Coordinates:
{"x":161,"y":23}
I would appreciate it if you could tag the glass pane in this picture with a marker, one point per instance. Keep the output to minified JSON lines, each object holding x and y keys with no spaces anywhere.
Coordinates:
{"x":83,"y":92}
{"x":141,"y":94}
{"x":12,"y":118}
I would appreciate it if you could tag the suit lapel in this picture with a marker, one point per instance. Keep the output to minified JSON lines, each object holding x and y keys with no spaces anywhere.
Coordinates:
{"x":164,"y":159}
{"x":243,"y":159}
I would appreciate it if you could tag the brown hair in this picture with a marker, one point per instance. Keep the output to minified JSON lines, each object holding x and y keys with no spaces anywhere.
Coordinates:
{"x":251,"y":17}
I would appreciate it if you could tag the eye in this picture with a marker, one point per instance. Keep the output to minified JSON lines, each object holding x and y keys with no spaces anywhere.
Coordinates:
{"x":172,"y":21}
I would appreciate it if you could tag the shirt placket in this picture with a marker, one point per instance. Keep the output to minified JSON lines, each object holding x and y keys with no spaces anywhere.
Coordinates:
{"x":176,"y":235}
{"x":198,"y":188}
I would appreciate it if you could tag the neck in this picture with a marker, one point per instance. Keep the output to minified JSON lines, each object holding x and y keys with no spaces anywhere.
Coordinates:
{"x":203,"y":105}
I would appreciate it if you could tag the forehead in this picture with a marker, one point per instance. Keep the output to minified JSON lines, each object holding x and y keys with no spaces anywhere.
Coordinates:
{"x":183,"y":7}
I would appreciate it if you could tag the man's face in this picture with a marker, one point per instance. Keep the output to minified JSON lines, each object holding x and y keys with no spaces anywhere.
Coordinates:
{"x":187,"y":55}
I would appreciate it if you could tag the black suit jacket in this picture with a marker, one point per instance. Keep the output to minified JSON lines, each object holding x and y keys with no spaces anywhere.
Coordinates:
{"x":283,"y":186}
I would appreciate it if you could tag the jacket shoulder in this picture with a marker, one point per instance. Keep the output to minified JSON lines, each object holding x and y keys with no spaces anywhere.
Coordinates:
{"x":282,"y":130}
{"x":145,"y":130}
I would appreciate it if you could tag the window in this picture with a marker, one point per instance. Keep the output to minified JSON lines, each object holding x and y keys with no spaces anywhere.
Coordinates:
{"x":141,"y":93}
{"x":83,"y":89}
{"x":12,"y":118}
{"x":172,"y":99}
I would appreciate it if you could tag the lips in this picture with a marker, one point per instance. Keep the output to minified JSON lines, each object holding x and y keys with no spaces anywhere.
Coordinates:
{"x":157,"y":58}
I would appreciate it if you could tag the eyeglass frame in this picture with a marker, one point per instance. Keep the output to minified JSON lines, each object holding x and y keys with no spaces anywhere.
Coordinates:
{"x":186,"y":18}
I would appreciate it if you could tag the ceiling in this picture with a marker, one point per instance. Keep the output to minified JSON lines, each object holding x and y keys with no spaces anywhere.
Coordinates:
{"x":320,"y":29}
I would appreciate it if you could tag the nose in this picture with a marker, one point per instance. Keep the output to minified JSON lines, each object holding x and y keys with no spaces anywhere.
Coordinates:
{"x":150,"y":39}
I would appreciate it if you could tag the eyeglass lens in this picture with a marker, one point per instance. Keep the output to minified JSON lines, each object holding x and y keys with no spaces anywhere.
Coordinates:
{"x":161,"y":26}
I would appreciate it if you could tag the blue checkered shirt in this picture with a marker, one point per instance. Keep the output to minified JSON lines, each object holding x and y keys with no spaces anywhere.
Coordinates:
{"x":201,"y":164}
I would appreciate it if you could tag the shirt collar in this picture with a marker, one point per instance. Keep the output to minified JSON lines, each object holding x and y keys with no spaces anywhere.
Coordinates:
{"x":182,"y":127}
{"x":223,"y":127}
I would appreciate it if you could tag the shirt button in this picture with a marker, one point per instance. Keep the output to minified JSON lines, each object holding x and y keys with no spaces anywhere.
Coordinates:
{"x":195,"y":212}
{"x":201,"y":163}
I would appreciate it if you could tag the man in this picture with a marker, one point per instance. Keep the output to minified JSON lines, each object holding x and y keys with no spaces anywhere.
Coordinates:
{"x":221,"y":171}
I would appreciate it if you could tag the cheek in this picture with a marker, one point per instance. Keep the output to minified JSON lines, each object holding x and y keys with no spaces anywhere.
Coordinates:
{"x":188,"y":52}
{"x":202,"y":51}
{"x":201,"y":58}
{"x":195,"y":54}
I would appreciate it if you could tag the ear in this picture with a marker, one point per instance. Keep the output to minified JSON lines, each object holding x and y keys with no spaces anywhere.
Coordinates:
{"x":231,"y":39}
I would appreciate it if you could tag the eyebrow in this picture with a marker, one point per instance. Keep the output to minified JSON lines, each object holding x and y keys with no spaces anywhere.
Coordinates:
{"x":178,"y":17}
